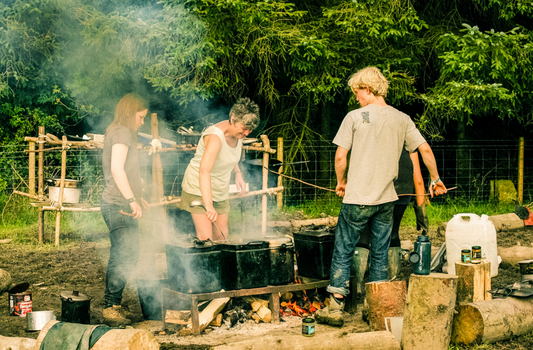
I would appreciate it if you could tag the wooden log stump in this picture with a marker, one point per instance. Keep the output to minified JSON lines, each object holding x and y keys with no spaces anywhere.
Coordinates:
{"x":492,"y":320}
{"x":331,"y":341}
{"x":429,"y":310}
{"x":5,"y":280}
{"x":384,"y":299}
{"x":474,"y":282}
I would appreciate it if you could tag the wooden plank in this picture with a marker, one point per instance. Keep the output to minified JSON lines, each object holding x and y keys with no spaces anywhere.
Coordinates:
{"x":210,"y":312}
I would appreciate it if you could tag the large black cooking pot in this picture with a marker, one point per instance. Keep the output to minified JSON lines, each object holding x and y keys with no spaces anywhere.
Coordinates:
{"x":75,"y":307}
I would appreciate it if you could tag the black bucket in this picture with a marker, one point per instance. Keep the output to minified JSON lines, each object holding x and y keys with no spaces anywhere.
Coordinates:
{"x":150,"y":297}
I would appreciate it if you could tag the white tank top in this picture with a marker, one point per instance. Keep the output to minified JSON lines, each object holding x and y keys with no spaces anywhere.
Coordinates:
{"x":220,"y":173}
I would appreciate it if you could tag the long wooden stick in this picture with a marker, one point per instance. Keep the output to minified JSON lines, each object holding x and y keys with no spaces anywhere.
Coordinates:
{"x":237,"y":196}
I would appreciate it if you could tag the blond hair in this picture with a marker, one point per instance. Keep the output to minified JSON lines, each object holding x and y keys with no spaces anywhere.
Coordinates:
{"x":371,"y":78}
{"x":127,"y":108}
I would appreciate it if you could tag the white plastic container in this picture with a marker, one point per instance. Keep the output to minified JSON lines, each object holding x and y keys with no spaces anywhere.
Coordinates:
{"x":464,"y":231}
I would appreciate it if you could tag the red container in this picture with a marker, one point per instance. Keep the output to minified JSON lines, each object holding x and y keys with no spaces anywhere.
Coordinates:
{"x":20,"y":300}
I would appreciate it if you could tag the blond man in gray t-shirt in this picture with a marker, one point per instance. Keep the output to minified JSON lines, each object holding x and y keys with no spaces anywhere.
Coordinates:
{"x":376,"y":133}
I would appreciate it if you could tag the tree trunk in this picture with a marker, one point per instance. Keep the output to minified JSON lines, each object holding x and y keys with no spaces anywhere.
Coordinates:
{"x":14,"y":343}
{"x":507,"y":222}
{"x":492,"y":320}
{"x":513,"y":255}
{"x":429,"y":312}
{"x":340,"y":340}
{"x":385,"y":299}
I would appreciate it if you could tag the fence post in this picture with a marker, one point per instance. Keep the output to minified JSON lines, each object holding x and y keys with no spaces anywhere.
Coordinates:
{"x":40,"y":189}
{"x":31,"y":168}
{"x":158,"y":190}
{"x":280,"y":170}
{"x":520,"y":170}
{"x":61,"y":189}
{"x":266,"y":145}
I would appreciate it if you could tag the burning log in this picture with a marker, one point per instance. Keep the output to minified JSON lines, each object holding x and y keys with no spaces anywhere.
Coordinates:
{"x":429,"y":310}
{"x":492,"y":320}
{"x":338,"y":340}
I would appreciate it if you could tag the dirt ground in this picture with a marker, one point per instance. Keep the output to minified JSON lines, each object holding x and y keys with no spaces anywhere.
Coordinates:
{"x":81,"y":266}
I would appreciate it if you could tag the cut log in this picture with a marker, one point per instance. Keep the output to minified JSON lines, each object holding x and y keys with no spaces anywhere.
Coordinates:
{"x":332,"y":341}
{"x":507,"y":222}
{"x":265,"y":314}
{"x":217,"y":321}
{"x":474,"y":282}
{"x":492,"y":320}
{"x":178,"y":317}
{"x":513,"y":255}
{"x":5,"y":280}
{"x":429,"y":310}
{"x":384,"y":299}
{"x":210,"y":312}
{"x":329,"y":221}
{"x":15,"y":343}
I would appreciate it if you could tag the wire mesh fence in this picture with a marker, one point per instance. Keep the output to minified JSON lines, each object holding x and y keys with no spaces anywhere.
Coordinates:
{"x":469,"y":165}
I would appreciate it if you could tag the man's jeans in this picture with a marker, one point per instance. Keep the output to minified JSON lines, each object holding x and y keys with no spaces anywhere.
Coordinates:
{"x":124,"y":252}
{"x":352,"y":220}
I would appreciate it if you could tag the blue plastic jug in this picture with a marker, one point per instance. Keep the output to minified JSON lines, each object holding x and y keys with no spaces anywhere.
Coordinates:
{"x":421,"y":256}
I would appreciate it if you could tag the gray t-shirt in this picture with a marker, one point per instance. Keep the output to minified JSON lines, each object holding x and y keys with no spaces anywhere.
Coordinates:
{"x":376,"y":136}
{"x":121,"y":134}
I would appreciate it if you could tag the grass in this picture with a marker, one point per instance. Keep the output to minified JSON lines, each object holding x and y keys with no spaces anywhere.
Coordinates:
{"x":19,"y":219}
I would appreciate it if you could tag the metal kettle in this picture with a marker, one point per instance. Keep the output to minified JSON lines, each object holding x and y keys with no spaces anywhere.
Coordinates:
{"x":75,"y":307}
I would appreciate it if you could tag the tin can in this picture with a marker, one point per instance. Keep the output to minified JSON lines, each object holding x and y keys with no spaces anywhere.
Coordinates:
{"x":466,"y":255}
{"x":20,"y":304}
{"x":476,"y":252}
{"x":308,"y":327}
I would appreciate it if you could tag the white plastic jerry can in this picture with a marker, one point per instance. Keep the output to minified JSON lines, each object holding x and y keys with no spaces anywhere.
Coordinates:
{"x":464,"y":231}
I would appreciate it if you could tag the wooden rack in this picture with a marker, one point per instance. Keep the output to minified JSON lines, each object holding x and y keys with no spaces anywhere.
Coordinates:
{"x":274,"y":292}
{"x":158,"y":198}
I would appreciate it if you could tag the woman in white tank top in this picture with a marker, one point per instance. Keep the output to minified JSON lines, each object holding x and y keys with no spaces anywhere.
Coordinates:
{"x":208,"y":175}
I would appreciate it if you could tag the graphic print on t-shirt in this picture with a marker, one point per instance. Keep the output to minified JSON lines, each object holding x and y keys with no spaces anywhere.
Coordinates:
{"x":366,"y":117}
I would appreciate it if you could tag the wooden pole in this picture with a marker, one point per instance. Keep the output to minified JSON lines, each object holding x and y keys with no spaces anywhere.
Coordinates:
{"x":40,"y":188}
{"x":279,"y":196}
{"x":61,"y":189}
{"x":157,"y":185}
{"x":266,"y":155}
{"x":31,"y":168}
{"x":520,"y":170}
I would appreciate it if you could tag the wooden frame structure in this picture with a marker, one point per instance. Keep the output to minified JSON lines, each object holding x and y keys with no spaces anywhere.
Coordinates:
{"x":274,"y":292}
{"x":158,"y":199}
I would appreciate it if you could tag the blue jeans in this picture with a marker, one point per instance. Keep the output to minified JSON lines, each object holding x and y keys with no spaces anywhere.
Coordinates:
{"x":124,"y":251}
{"x":353,"y":219}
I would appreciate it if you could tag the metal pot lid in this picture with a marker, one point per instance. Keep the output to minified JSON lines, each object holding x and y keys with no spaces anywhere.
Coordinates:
{"x":19,"y":288}
{"x":275,"y":241}
{"x":73,"y":295}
